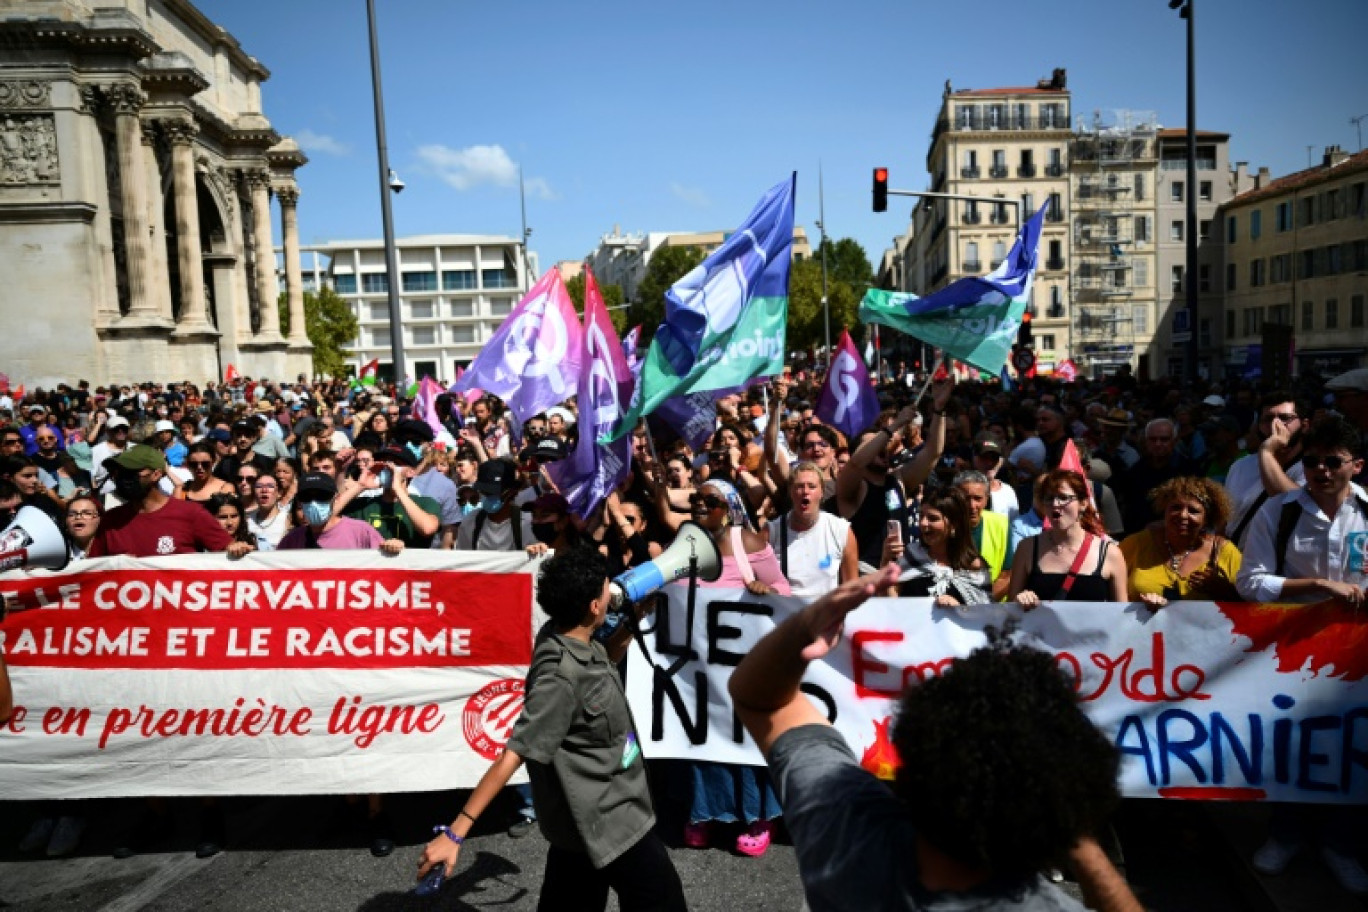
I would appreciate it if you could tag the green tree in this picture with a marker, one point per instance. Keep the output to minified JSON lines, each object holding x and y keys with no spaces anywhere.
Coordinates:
{"x":846,"y":262}
{"x":330,"y":325}
{"x":806,"y":326}
{"x":668,"y":265}
{"x":612,"y":298}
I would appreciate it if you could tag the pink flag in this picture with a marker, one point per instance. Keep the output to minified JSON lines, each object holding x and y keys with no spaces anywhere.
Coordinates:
{"x":1069,"y":460}
{"x":1067,"y":371}
{"x":425,"y":404}
{"x":533,"y":359}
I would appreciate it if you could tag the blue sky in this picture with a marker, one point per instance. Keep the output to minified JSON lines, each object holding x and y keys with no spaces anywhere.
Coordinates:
{"x":679,"y":117}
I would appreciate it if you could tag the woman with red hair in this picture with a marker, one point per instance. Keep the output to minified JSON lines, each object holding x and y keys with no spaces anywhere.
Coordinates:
{"x":1071,"y":559}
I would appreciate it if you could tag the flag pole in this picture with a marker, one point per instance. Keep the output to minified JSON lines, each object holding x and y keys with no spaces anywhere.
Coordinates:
{"x":942,"y":362}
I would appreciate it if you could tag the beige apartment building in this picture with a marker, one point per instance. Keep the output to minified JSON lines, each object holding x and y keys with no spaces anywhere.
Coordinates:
{"x":1296,"y":254}
{"x":1113,"y":163}
{"x":999,"y":145}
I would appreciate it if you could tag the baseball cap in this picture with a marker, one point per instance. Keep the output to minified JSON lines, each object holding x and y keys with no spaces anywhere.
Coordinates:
{"x":36,"y":408}
{"x":117,"y":421}
{"x":220,"y":435}
{"x":986,"y":442}
{"x":411,"y":429}
{"x":138,"y":457}
{"x":245,"y":426}
{"x":1214,"y":401}
{"x":548,"y":449}
{"x":164,"y":425}
{"x":1355,"y":380}
{"x":317,"y":483}
{"x":496,"y":476}
{"x":397,"y":456}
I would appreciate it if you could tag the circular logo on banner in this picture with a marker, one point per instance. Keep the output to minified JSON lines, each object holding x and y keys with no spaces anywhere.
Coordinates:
{"x":1023,"y":359}
{"x":489,"y":716}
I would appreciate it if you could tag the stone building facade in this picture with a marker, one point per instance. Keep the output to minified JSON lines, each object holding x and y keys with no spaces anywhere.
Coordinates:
{"x":136,"y":176}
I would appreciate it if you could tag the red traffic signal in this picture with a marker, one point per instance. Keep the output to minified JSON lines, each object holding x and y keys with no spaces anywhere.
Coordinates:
{"x":880,"y":189}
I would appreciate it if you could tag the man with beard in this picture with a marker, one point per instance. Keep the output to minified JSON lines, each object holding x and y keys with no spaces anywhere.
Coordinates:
{"x":1273,"y":469}
{"x":150,"y":523}
{"x":868,"y":496}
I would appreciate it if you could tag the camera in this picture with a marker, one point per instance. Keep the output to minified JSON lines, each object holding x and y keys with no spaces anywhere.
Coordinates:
{"x":395,"y":183}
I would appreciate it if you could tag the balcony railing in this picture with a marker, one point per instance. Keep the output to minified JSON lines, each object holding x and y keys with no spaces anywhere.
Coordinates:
{"x":1054,"y":264}
{"x":972,"y":218}
{"x":1054,"y":170}
{"x":1056,"y":312}
{"x":1054,"y":215}
{"x":969,"y":173}
{"x":1000,"y":217}
{"x":973,"y":266}
{"x":1026,"y":171}
{"x":998,"y":171}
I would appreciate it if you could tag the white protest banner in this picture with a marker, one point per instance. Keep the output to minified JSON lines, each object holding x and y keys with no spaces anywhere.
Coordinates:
{"x":289,"y":672}
{"x":1204,"y":701}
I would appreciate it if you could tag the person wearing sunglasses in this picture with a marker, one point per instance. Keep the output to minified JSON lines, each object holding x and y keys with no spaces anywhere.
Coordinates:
{"x":1273,"y":468}
{"x":203,"y":484}
{"x":1311,"y":545}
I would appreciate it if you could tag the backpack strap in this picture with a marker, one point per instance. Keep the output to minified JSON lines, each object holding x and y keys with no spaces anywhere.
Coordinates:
{"x":1287,"y":523}
{"x":480,"y":517}
{"x":1238,"y":537}
{"x":783,"y":544}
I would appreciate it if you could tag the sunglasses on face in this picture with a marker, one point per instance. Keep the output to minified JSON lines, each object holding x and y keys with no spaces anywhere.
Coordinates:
{"x":247,"y":479}
{"x":1333,"y":463}
{"x":199,"y":464}
{"x":709,"y":501}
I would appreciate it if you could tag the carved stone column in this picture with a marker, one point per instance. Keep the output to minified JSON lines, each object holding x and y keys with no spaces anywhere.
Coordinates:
{"x":159,"y":281}
{"x":258,"y":182}
{"x":194,"y":316}
{"x":294,"y":284}
{"x":125,"y":100}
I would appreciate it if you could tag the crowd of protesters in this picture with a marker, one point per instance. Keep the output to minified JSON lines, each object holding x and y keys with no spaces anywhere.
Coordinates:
{"x":969,"y":495}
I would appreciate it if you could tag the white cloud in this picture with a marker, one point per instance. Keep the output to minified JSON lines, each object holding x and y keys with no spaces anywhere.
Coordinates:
{"x":691,"y":195}
{"x":479,"y":166}
{"x":310,"y":141}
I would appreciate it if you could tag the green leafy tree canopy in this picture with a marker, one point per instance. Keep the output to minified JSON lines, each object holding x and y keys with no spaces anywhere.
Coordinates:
{"x":612,"y":298}
{"x":668,"y":265}
{"x":330,"y":325}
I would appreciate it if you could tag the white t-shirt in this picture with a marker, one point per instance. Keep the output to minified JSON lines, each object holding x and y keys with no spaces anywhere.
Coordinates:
{"x":494,"y":535}
{"x":269,"y":533}
{"x":1004,"y":501}
{"x":1244,"y":485}
{"x":813,"y":555}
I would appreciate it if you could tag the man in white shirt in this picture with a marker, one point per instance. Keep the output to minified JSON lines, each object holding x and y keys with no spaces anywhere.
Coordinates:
{"x":1274,"y":468}
{"x":116,"y":440}
{"x":1308,"y":545}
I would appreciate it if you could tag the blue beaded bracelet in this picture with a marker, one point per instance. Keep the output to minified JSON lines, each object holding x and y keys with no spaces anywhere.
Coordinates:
{"x":446,"y":830}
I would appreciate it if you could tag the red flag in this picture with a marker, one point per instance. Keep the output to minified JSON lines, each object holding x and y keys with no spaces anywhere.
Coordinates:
{"x":941,"y":373}
{"x":19,"y":393}
{"x":231,"y":375}
{"x":4,"y":383}
{"x":1069,"y":460}
{"x":1067,"y":371}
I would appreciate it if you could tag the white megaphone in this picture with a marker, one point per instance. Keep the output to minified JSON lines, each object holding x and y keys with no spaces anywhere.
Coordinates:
{"x":32,"y":540}
{"x":693,"y":550}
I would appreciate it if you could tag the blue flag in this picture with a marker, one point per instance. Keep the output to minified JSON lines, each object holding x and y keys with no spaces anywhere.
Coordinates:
{"x":1006,"y":380}
{"x":974,"y":320}
{"x":725,"y":321}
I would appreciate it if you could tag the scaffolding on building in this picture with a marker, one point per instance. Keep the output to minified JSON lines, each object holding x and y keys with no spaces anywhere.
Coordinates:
{"x":1112,"y":167}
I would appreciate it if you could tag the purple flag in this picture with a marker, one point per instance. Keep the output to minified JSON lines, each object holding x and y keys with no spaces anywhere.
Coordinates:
{"x":425,"y":404}
{"x":629,"y":348}
{"x":694,"y":417}
{"x":533,"y":360}
{"x":848,"y":402}
{"x":605,"y":387}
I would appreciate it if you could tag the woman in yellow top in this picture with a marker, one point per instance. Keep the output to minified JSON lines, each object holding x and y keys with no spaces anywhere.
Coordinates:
{"x":1181,"y":557}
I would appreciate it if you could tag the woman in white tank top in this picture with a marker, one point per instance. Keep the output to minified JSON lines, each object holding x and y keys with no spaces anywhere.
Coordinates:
{"x":816,"y":549}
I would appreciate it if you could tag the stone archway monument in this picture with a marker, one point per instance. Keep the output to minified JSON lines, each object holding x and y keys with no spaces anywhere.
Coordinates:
{"x":136,"y":177}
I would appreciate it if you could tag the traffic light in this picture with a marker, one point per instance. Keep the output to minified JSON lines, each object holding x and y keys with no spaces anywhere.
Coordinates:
{"x":880,"y":189}
{"x":1024,"y":337}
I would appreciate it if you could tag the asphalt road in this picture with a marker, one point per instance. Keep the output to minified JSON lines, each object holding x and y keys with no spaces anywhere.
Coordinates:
{"x":302,"y":854}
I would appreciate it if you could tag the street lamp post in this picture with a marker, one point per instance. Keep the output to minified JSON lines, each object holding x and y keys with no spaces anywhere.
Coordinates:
{"x":387,"y":183}
{"x":821,"y":230}
{"x":1185,"y":10}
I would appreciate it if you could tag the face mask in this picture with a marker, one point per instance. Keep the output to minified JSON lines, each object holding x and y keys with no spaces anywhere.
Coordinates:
{"x":468,"y":508}
{"x":130,"y":488}
{"x":316,"y":513}
{"x":491,"y":504}
{"x":416,"y":449}
{"x":545,"y":532}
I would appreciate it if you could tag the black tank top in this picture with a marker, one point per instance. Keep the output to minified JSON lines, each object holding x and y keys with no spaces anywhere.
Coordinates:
{"x":1049,"y":587}
{"x":870,"y":522}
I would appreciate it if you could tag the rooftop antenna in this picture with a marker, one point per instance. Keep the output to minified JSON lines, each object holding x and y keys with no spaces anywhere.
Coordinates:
{"x":1358,"y":125}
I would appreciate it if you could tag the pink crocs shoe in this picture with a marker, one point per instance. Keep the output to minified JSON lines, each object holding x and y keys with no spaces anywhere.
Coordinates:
{"x":755,"y":840}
